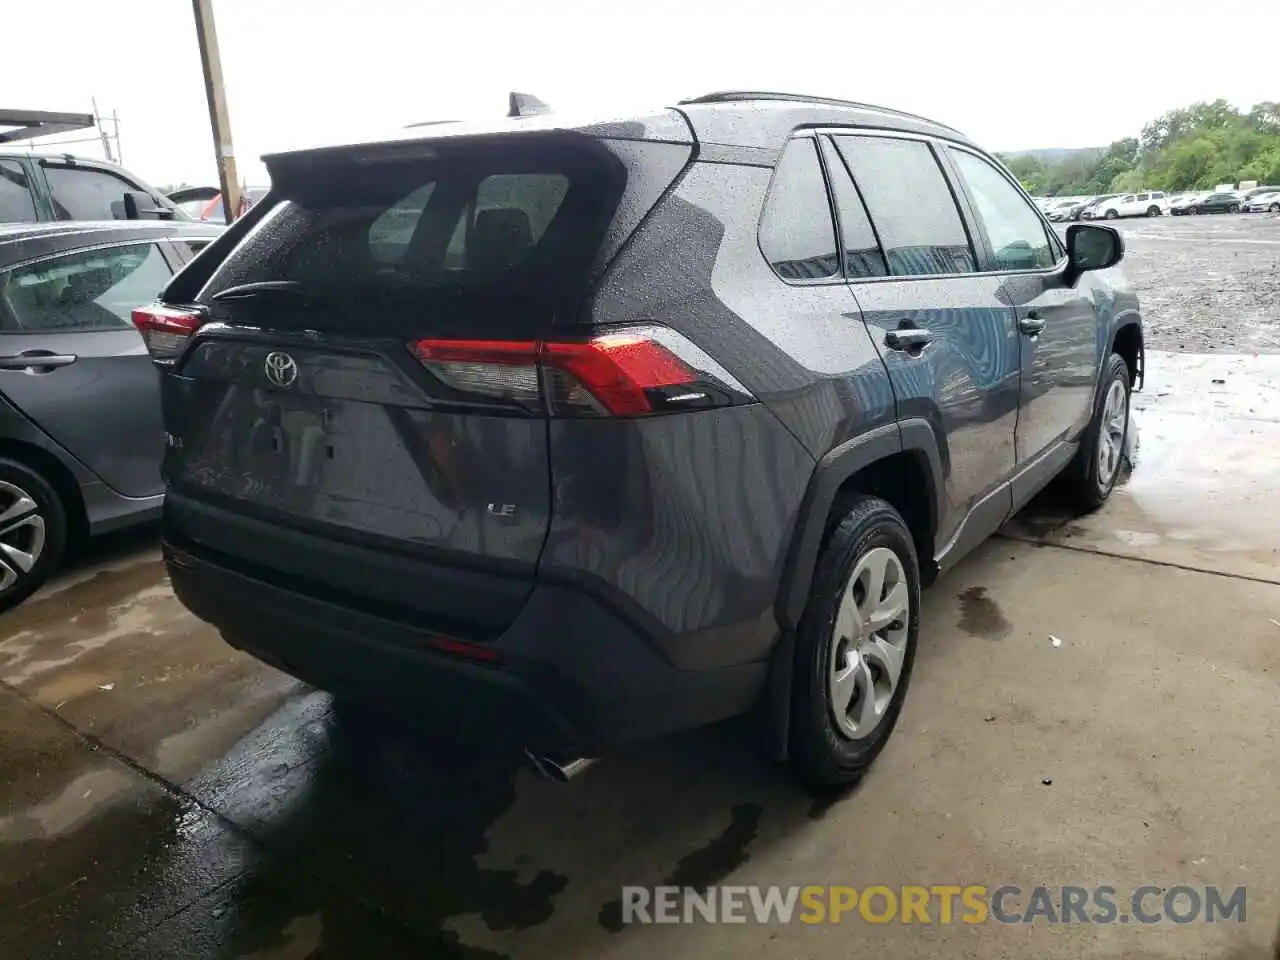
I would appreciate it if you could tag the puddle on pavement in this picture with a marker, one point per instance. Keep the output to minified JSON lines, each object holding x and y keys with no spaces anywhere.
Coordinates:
{"x":1210,"y":456}
{"x":981,"y":616}
{"x":706,"y":866}
{"x":53,"y":631}
{"x":68,"y":808}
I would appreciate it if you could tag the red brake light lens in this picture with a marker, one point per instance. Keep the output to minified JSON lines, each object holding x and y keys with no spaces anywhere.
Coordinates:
{"x":616,"y":374}
{"x":616,"y":370}
{"x":166,"y":330}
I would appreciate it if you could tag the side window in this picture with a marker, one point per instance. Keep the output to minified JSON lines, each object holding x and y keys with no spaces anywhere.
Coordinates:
{"x":16,"y":202}
{"x":82,"y":193}
{"x":863,"y":256}
{"x":1018,"y":237}
{"x":83,"y":291}
{"x":910,"y":204}
{"x":796,"y":233}
{"x":1143,"y":196}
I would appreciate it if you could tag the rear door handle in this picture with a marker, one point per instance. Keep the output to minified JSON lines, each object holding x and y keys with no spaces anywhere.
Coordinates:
{"x":1031,"y":324}
{"x":908,"y":338}
{"x":34,"y":360}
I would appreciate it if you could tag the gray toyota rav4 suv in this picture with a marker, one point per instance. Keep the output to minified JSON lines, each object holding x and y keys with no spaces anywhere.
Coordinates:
{"x":568,"y":433}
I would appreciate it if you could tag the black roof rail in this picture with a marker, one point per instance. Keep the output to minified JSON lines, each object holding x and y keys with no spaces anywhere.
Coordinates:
{"x":743,"y":96}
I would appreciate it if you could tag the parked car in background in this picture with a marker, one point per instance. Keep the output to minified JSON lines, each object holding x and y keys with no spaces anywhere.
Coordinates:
{"x":1178,"y":205}
{"x":1092,"y":210}
{"x":1213,"y":203}
{"x":1148,"y":204}
{"x":1248,"y":196}
{"x":35,"y":187}
{"x":447,"y":441}
{"x":1070,"y":210}
{"x":1260,"y":202}
{"x":80,"y":432}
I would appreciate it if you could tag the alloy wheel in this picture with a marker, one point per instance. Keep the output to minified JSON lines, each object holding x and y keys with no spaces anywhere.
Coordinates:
{"x":1115,"y":418}
{"x":22,"y":534}
{"x":869,"y":643}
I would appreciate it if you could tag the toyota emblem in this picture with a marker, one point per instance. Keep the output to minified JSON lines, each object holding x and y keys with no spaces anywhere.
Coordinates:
{"x":281,"y":369}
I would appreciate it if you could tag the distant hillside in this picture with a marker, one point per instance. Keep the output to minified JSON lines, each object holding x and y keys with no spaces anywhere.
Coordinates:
{"x":1055,"y":155}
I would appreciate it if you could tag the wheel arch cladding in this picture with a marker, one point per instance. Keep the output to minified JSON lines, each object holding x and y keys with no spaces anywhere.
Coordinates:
{"x":1128,"y":343}
{"x":901,"y":464}
{"x":59,"y":477}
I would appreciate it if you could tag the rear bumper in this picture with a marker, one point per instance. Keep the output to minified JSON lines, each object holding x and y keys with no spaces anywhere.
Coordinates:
{"x":569,"y":673}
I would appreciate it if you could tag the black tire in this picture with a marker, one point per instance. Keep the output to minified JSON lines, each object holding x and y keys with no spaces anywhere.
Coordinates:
{"x":1234,"y":208}
{"x":1153,"y":211}
{"x":1274,"y":208}
{"x":1111,"y":215}
{"x":822,"y":755}
{"x":49,"y":509}
{"x":1081,"y":480}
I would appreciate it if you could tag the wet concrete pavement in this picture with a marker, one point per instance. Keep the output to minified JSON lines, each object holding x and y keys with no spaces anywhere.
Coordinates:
{"x":166,"y":796}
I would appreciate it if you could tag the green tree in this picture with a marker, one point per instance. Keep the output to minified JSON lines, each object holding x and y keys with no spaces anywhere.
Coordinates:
{"x":1265,"y":117}
{"x":1265,"y":167}
{"x":1198,"y":146}
{"x":1029,"y":170}
{"x":1177,"y":123}
{"x":1127,"y":182}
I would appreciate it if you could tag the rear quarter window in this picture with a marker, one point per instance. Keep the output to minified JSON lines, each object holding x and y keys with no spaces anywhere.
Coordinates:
{"x":797,"y":235}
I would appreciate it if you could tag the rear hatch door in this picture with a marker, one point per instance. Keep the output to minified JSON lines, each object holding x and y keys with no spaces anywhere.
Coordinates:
{"x":316,"y":425}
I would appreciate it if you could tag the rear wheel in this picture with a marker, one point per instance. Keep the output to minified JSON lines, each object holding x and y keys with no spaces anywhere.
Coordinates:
{"x":1274,"y":208}
{"x":855,"y":646}
{"x":1091,"y":476}
{"x":33,"y":532}
{"x":1153,"y":211}
{"x":1234,"y":208}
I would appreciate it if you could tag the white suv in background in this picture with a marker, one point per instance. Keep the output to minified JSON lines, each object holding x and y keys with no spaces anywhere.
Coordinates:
{"x":1133,"y":205}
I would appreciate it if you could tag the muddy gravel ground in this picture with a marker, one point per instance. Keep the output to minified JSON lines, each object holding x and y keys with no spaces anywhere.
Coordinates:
{"x":1207,"y":284}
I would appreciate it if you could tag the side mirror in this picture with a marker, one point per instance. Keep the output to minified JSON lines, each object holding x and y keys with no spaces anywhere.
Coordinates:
{"x":1092,"y":247}
{"x":142,"y":206}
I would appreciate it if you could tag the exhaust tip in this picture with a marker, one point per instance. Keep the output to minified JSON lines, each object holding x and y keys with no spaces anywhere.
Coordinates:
{"x":558,"y":769}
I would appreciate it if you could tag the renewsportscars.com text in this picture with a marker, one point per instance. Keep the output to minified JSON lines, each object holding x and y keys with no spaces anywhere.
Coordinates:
{"x":934,"y":904}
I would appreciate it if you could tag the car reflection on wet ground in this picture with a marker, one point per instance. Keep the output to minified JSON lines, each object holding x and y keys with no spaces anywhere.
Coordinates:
{"x":166,"y":796}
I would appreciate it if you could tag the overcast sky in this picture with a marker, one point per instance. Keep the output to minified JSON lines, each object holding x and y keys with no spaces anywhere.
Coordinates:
{"x":298,"y":72}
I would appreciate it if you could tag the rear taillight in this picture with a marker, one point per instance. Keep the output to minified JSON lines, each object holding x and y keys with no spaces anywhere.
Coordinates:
{"x":621,"y":374}
{"x":166,"y":330}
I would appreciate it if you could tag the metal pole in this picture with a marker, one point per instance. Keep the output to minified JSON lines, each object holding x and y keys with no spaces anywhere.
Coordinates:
{"x":115,"y":128}
{"x":207,"y":36}
{"x":102,"y":131}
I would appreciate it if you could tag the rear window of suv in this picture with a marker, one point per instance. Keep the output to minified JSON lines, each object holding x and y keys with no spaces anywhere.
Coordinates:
{"x":515,"y":228}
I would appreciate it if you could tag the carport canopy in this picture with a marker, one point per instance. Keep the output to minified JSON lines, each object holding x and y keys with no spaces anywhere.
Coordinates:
{"x":28,"y":124}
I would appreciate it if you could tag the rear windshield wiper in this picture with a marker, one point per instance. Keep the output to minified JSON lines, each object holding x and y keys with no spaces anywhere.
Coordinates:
{"x":287,"y":289}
